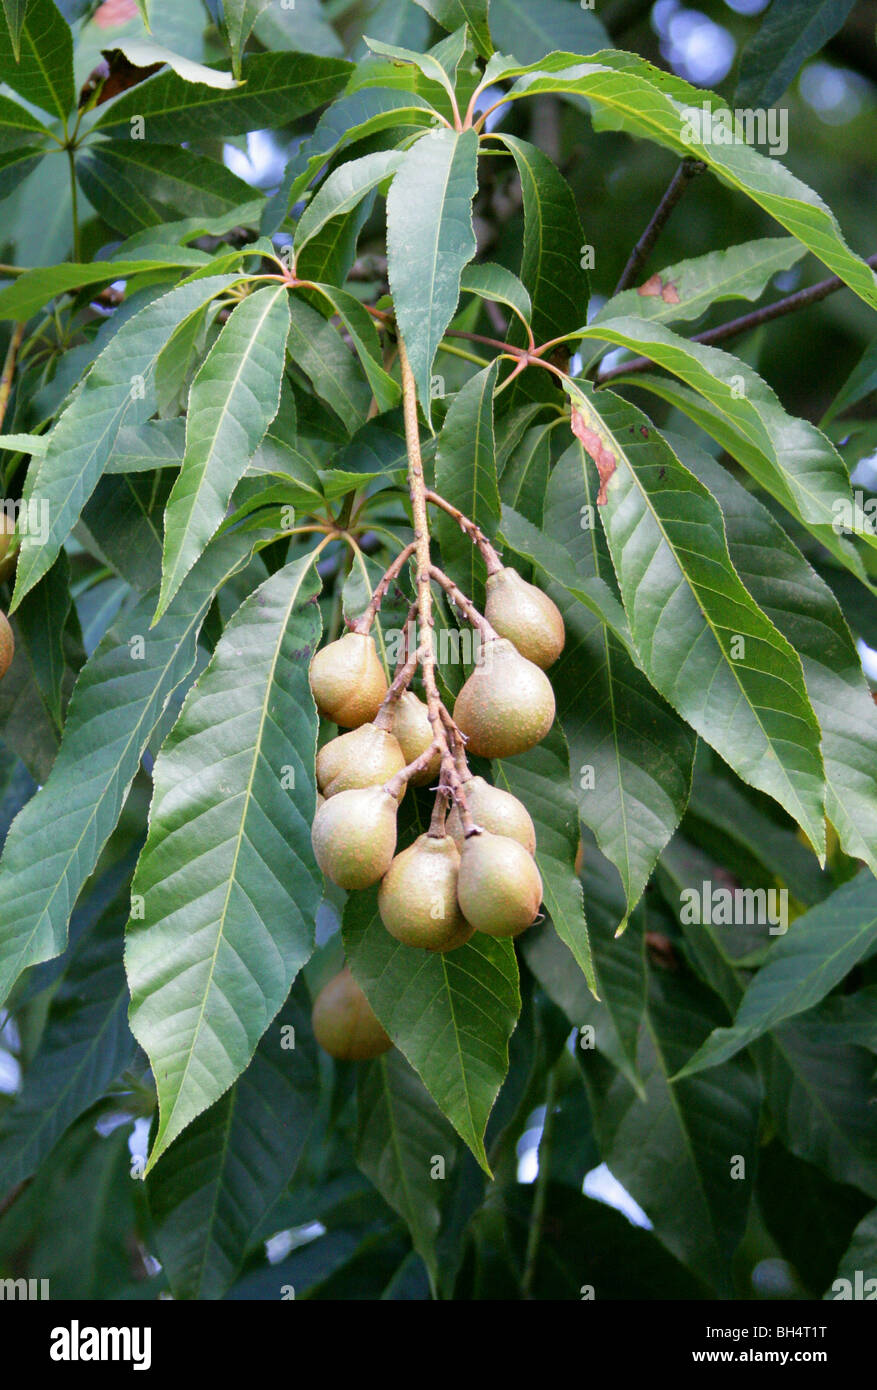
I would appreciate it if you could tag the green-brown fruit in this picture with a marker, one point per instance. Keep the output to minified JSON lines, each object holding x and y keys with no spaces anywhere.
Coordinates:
{"x":417,"y":898}
{"x":498,"y":886}
{"x":7,"y":645}
{"x":354,"y":836}
{"x":526,"y":616}
{"x":496,"y":811}
{"x":344,"y":1022}
{"x":412,"y":728}
{"x":506,"y":705}
{"x":348,"y":681}
{"x":366,"y":757}
{"x":7,"y":560}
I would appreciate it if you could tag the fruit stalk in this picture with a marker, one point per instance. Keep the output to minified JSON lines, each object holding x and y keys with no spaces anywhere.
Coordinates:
{"x":465,"y":605}
{"x":450,"y":777}
{"x":469,"y":528}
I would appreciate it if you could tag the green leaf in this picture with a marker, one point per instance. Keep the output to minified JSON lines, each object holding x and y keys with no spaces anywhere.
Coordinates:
{"x":692,"y":286}
{"x":86,"y":1044}
{"x":30,"y":291}
{"x":174,"y":109}
{"x":820,"y":1098}
{"x":805,"y":610}
{"x":17,"y":125}
{"x":233,"y":400}
{"x":208,"y":973}
{"x":400,"y":1133}
{"x":345,"y":187}
{"x":702,"y":641}
{"x":306,"y":29}
{"x":641,"y":100}
{"x":14,"y":12}
{"x":118,"y":390}
{"x":861,"y":381}
{"x":36,"y":55}
{"x":140,"y":448}
{"x":551,"y":264}
{"x":791,"y":32}
{"x":132,"y":184}
{"x":532,"y":31}
{"x":317,"y":349}
{"x":465,"y":474}
{"x":818,"y":951}
{"x":218,"y":1182}
{"x":364,"y":337}
{"x":37,"y":687}
{"x":451,"y":14}
{"x":17,"y":165}
{"x":122,"y":524}
{"x":429,"y":240}
{"x":431,"y":67}
{"x":540,"y":779}
{"x":122,"y":691}
{"x":525,"y":476}
{"x":451,"y":1015}
{"x":496,"y":283}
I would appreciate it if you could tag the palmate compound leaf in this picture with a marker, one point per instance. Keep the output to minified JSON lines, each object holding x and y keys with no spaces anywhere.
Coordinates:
{"x":450,"y":1014}
{"x":702,"y":640}
{"x":805,"y":610}
{"x":227,"y":879}
{"x":430,"y":239}
{"x":120,"y":696}
{"x":119,"y":389}
{"x":232,"y":401}
{"x":218,"y":1182}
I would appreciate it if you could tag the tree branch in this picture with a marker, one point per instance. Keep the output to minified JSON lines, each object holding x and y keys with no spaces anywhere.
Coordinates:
{"x":687,"y":170}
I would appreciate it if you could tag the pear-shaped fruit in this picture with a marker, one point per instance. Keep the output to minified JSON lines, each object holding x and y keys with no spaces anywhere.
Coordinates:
{"x":7,"y":560}
{"x":366,"y":757}
{"x":348,"y":680}
{"x":526,"y":616}
{"x":498,"y":886}
{"x":412,"y":728}
{"x":417,"y":898}
{"x":496,"y":811}
{"x":354,"y":836}
{"x":344,"y":1022}
{"x":506,"y":705}
{"x":7,"y":645}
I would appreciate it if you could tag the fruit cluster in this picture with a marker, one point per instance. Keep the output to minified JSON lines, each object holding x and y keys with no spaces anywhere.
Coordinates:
{"x":474,"y":869}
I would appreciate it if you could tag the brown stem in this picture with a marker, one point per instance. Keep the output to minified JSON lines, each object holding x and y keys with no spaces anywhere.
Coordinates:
{"x":400,"y":682}
{"x":9,"y":368}
{"x":437,"y":829}
{"x":364,"y":621}
{"x":450,"y":778}
{"x":399,"y":779}
{"x":789,"y":305}
{"x":638,"y":256}
{"x":465,"y":605}
{"x":470,"y":528}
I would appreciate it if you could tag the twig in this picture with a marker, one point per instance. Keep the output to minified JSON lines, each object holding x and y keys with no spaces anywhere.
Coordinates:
{"x":9,"y":368}
{"x":792,"y":302}
{"x":638,"y":256}
{"x":364,"y":621}
{"x":470,"y":528}
{"x":465,"y":605}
